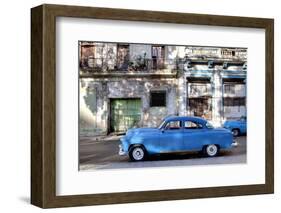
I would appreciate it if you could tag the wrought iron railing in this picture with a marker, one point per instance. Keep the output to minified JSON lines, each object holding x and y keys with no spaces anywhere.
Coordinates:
{"x":140,"y":64}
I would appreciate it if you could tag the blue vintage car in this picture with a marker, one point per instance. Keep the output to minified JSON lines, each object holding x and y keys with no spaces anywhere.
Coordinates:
{"x":237,"y":127}
{"x":175,"y":134}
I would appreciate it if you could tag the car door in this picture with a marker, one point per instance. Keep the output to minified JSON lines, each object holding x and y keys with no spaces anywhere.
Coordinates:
{"x":193,"y":135}
{"x":171,"y":137}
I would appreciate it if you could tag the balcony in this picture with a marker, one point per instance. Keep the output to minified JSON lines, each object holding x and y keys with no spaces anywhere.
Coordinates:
{"x":111,"y":66}
{"x":102,"y":67}
{"x":226,"y":54}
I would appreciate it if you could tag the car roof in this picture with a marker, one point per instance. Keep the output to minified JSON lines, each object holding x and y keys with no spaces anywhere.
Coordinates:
{"x":186,"y":118}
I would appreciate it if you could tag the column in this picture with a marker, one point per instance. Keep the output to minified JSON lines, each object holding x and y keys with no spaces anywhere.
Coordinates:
{"x":217,"y":98}
{"x":182,"y":95}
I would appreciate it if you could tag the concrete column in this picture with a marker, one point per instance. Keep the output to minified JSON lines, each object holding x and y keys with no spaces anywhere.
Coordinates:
{"x":182,"y":93}
{"x":217,"y":98}
{"x":102,"y":108}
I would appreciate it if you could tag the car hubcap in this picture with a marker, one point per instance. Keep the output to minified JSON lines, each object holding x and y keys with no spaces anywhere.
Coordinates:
{"x":212,"y":150}
{"x":138,"y":154}
{"x":235,"y":132}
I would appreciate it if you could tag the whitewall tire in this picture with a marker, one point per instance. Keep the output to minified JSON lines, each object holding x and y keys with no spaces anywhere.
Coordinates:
{"x":211,"y":150}
{"x":137,"y":153}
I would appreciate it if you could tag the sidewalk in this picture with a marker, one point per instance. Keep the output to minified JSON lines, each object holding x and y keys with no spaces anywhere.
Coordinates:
{"x":102,"y":138}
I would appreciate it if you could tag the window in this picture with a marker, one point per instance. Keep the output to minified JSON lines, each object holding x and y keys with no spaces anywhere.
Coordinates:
{"x":158,"y":55}
{"x":234,"y":101}
{"x":123,"y":56}
{"x":173,"y":125}
{"x":197,"y":89}
{"x":201,"y":107}
{"x":158,"y":51}
{"x":192,"y":125}
{"x":158,"y":98}
{"x":229,"y":89}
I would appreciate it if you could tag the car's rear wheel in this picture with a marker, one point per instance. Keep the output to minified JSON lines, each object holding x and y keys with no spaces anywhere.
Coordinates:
{"x":211,"y":150}
{"x":137,"y":153}
{"x":235,"y":132}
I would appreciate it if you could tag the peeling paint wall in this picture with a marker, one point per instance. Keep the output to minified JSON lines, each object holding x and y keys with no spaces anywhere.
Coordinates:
{"x":95,"y":96}
{"x":91,"y":108}
{"x":172,"y":65}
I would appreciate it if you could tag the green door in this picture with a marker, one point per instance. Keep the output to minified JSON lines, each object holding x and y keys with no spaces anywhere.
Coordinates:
{"x":125,"y":114}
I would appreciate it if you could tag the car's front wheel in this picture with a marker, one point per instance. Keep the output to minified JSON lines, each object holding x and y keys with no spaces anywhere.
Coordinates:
{"x":137,"y":153}
{"x":211,"y":150}
{"x":235,"y":132}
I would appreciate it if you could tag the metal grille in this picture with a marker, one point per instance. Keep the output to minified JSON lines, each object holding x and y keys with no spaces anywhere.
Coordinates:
{"x":125,"y":114}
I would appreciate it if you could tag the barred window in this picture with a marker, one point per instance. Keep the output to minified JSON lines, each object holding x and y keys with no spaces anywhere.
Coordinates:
{"x":158,"y":98}
{"x":241,"y":101}
{"x":198,"y":89}
{"x":229,"y":89}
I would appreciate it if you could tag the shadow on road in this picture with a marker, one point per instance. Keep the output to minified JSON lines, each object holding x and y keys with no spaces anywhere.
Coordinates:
{"x":94,"y":154}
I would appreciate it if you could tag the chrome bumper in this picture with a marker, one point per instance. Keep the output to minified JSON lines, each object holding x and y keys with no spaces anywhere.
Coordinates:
{"x":121,"y":151}
{"x":234,"y":144}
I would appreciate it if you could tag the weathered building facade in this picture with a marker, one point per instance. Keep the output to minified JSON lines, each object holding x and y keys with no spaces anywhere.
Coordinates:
{"x":129,"y":85}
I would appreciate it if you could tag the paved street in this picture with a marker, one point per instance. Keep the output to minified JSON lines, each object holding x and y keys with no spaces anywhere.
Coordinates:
{"x":103,"y":154}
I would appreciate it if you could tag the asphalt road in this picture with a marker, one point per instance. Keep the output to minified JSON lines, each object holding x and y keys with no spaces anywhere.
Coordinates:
{"x":103,"y":154}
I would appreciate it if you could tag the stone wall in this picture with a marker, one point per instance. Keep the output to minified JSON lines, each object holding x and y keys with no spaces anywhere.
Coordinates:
{"x":95,"y":95}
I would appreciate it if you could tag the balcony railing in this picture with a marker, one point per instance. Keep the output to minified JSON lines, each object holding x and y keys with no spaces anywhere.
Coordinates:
{"x":151,"y":65}
{"x":142,"y":64}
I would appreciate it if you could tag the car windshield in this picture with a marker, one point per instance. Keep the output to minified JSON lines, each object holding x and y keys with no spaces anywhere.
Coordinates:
{"x":209,"y":125}
{"x":162,"y":123}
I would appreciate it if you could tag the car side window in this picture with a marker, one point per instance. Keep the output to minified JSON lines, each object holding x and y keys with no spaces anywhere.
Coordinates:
{"x":173,"y":125}
{"x":192,"y":125}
